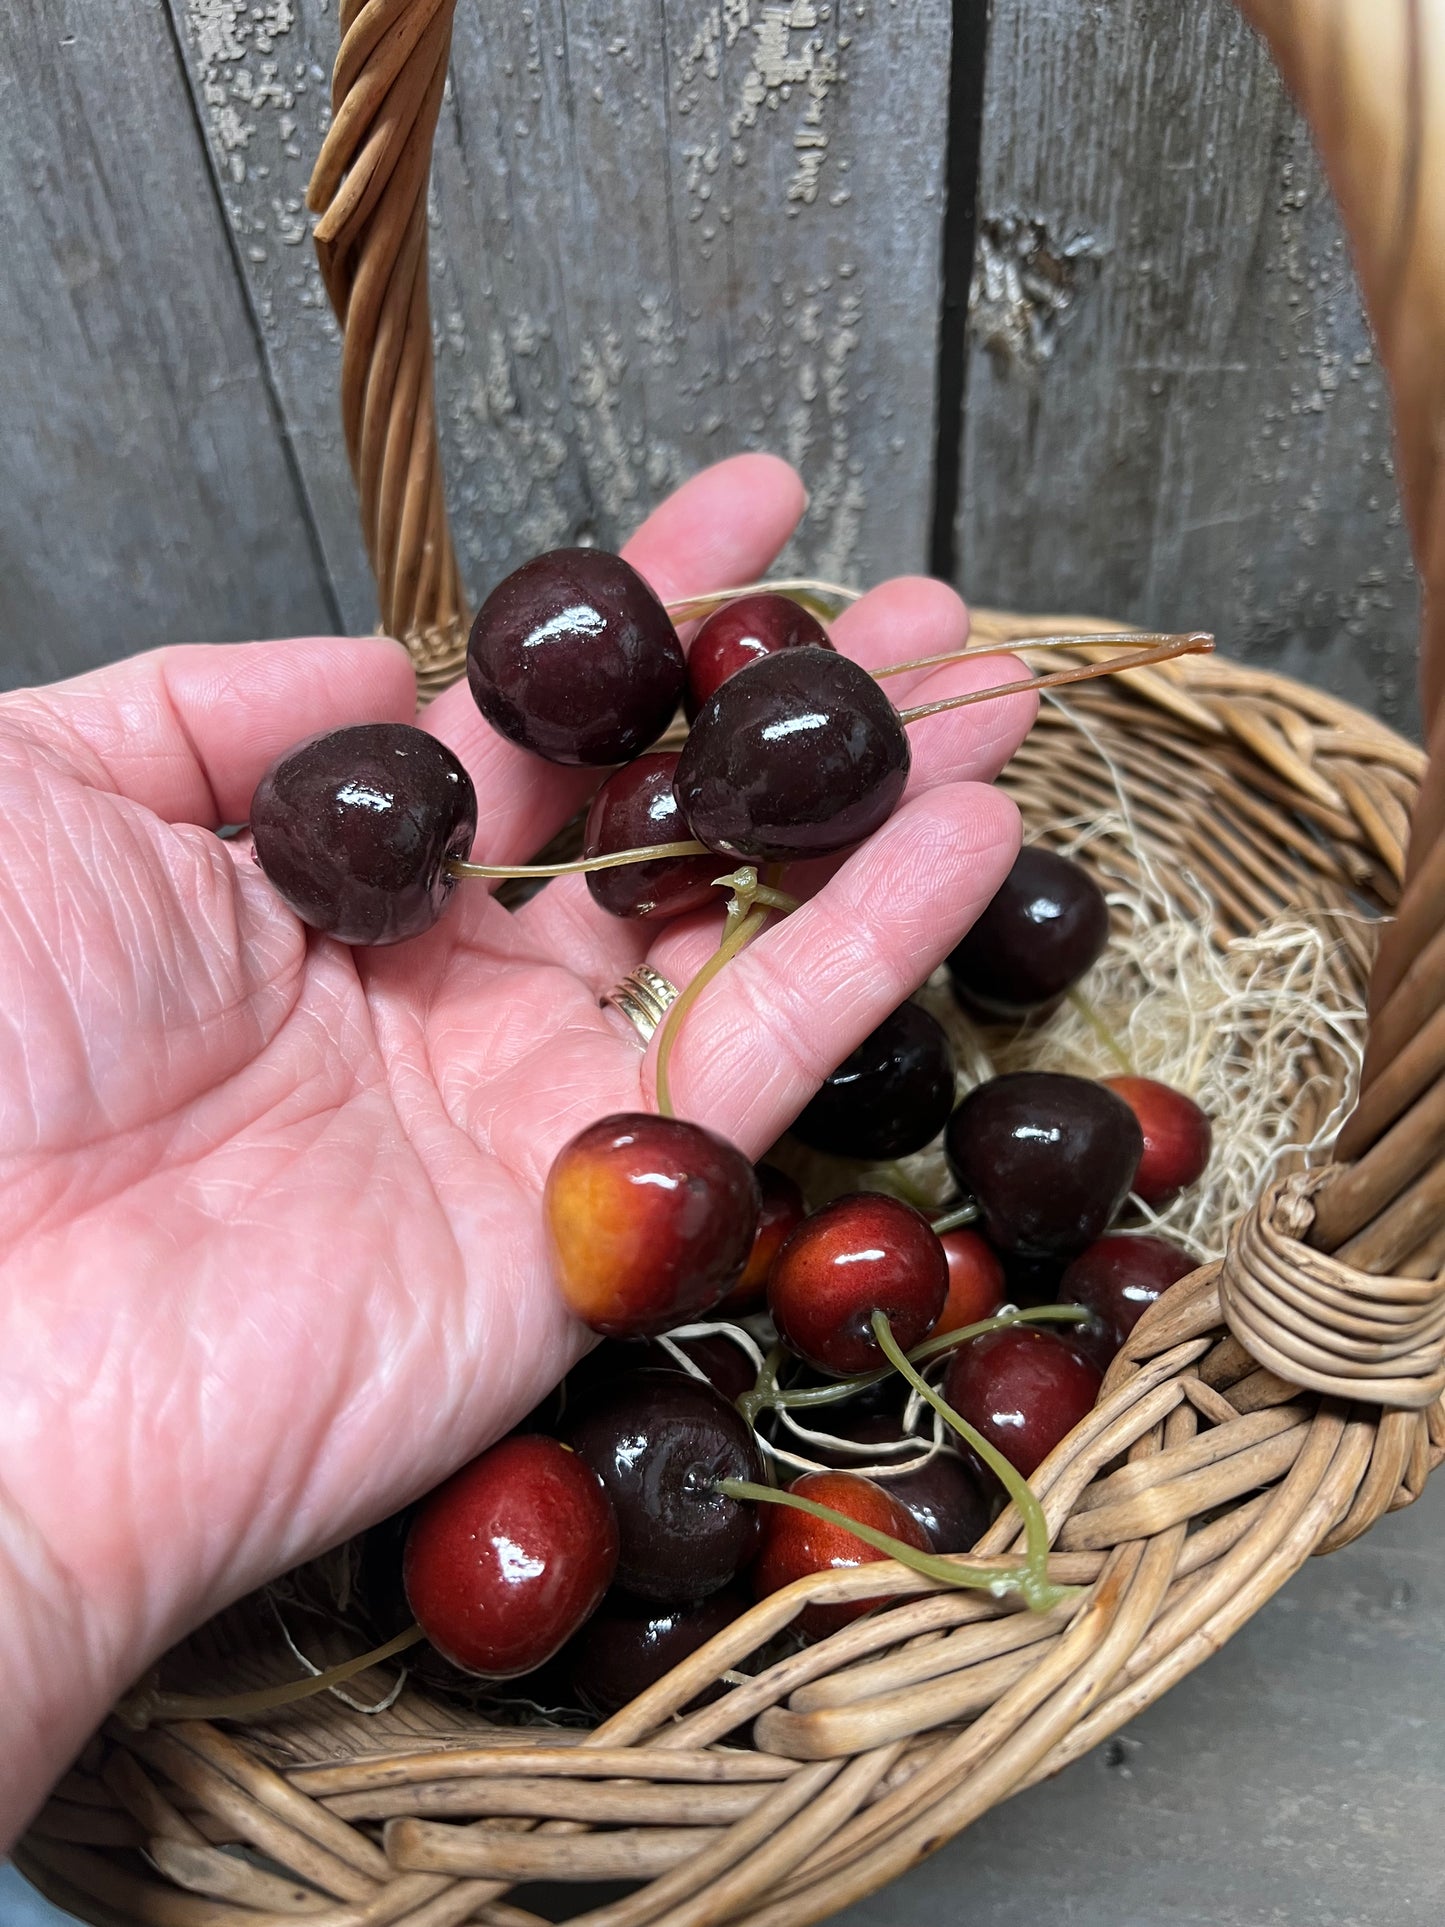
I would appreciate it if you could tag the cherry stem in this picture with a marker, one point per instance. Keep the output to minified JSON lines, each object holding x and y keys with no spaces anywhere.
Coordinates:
{"x":951,"y":1572}
{"x":1193,"y":645}
{"x":972,"y":651}
{"x":1105,"y":1033}
{"x":737,"y":934}
{"x":142,"y":1709}
{"x":649,"y":853}
{"x":808,"y":590}
{"x":1039,"y":1591}
{"x":956,"y":1219}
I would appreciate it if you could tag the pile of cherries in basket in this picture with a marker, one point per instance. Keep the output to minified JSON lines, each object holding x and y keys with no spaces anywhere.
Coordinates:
{"x":625,"y":1525}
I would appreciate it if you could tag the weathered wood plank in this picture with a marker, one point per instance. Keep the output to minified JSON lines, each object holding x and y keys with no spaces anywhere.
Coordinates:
{"x":1173,"y":412}
{"x":660,"y":232}
{"x":145,"y":492}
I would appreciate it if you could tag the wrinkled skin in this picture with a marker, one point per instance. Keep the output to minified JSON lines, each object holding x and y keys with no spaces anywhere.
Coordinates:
{"x":269,"y":1208}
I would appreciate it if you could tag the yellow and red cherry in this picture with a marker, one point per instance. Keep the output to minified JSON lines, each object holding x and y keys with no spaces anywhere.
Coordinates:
{"x":860,"y":1254}
{"x":650,"y":1222}
{"x":1177,"y":1137}
{"x":1119,"y":1277}
{"x":889,"y":1097}
{"x":505,"y":1561}
{"x":574,"y":657}
{"x":740,"y":634}
{"x":1023,"y":1389}
{"x":1045,"y":926}
{"x":796,"y":1544}
{"x":976,"y":1287}
{"x":634,"y":808}
{"x":782,"y":1211}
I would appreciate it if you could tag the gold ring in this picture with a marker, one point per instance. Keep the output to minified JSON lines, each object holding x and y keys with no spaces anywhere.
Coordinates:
{"x":644,"y":997}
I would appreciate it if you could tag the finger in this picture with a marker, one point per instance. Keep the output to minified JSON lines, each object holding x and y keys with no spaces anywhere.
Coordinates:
{"x":779,"y":1017}
{"x":189,"y":731}
{"x":723,"y":527}
{"x":907,"y":617}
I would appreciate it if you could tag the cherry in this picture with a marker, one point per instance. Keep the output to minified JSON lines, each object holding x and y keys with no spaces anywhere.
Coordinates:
{"x":354,"y":828}
{"x":1120,"y":1276}
{"x":783,"y":1210}
{"x":737,"y":635}
{"x":975,"y":1279}
{"x":795,"y":1543}
{"x":862,"y":1253}
{"x":724,"y":1364}
{"x":802,"y":756}
{"x":890,"y":1096}
{"x":573,"y":656}
{"x":650,"y":1219}
{"x":659,"y":1441}
{"x":505,"y":1561}
{"x":636,"y":807}
{"x":1177,"y":1137}
{"x":1044,"y":927}
{"x":1023,"y":1389}
{"x":944,"y":1495}
{"x":629,"y":1644}
{"x":1050,"y":1159}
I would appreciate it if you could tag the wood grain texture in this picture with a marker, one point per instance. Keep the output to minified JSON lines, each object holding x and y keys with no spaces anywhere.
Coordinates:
{"x":145,"y":492}
{"x":1173,"y":409}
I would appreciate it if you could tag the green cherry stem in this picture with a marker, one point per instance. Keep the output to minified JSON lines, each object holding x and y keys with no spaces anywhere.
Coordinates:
{"x":1039,"y":1591}
{"x":650,"y":853}
{"x":1192,"y":645}
{"x":826,"y":598}
{"x":1105,"y":1033}
{"x":143,"y":1709}
{"x":743,"y":930}
{"x":1135,"y":638}
{"x":956,"y":1219}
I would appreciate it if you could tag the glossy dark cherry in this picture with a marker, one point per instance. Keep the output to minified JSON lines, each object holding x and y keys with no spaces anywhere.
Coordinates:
{"x":650,"y":1221}
{"x":1177,"y":1137}
{"x":573,"y":656}
{"x":354,"y":827}
{"x":1043,"y":929}
{"x":794,"y":1544}
{"x":1023,"y":1388}
{"x":635,"y":807}
{"x":740,"y":634}
{"x":862,"y":1253}
{"x":1050,"y":1159}
{"x":890,"y":1096}
{"x":721,"y":1362}
{"x":945,"y":1496}
{"x":783,"y":1210}
{"x":659,"y":1441}
{"x":975,"y":1279}
{"x":629,"y":1644}
{"x":1120,"y":1276}
{"x":803,"y":755}
{"x":505,"y":1561}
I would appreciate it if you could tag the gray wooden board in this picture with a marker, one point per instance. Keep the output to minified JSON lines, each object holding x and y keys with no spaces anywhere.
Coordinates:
{"x":1296,"y":1780}
{"x":1173,"y":409}
{"x":145,"y":493}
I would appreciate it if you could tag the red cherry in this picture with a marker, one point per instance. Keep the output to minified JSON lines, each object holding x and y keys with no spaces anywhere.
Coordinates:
{"x":505,"y":1561}
{"x":1177,"y":1136}
{"x":863,"y":1253}
{"x":650,"y":1221}
{"x":783,"y":1210}
{"x":633,"y":808}
{"x":1119,"y":1277}
{"x":741,"y":632}
{"x":795,"y":1543}
{"x":975,"y":1279}
{"x":1023,"y":1389}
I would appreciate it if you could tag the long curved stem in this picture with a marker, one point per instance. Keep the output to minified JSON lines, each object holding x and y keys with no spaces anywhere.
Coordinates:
{"x":734,"y":940}
{"x":143,"y":1709}
{"x":649,"y":853}
{"x":1191,"y":645}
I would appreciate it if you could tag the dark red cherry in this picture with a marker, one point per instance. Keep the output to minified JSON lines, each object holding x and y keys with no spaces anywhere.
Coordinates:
{"x":722,"y":1363}
{"x":975,"y":1279}
{"x":890,"y":1096}
{"x":633,"y":808}
{"x":1023,"y":1389}
{"x":1177,"y":1137}
{"x":1043,"y":929}
{"x":739,"y":634}
{"x":629,"y":1644}
{"x":505,"y":1561}
{"x":573,"y":656}
{"x":944,"y":1495}
{"x":803,"y":755}
{"x":659,"y":1441}
{"x":783,"y":1210}
{"x":1120,"y":1276}
{"x":354,"y":828}
{"x":795,"y":1544}
{"x":1031,"y":1281}
{"x":650,"y":1221}
{"x":862,"y":1253}
{"x":1050,"y":1159}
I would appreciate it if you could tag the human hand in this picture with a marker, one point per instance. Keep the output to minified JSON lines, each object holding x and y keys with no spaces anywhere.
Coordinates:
{"x":270,"y":1208}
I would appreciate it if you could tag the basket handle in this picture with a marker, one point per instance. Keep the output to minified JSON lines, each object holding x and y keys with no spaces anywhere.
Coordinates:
{"x":1370,"y":75}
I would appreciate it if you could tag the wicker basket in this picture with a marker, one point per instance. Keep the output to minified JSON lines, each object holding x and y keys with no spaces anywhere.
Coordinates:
{"x":1266,"y":1409}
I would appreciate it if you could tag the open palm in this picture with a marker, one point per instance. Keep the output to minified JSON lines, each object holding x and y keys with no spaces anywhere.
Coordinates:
{"x":269,"y":1208}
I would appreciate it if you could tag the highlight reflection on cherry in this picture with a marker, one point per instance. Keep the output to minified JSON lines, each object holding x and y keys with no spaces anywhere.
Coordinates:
{"x":635,"y":807}
{"x":740,"y":634}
